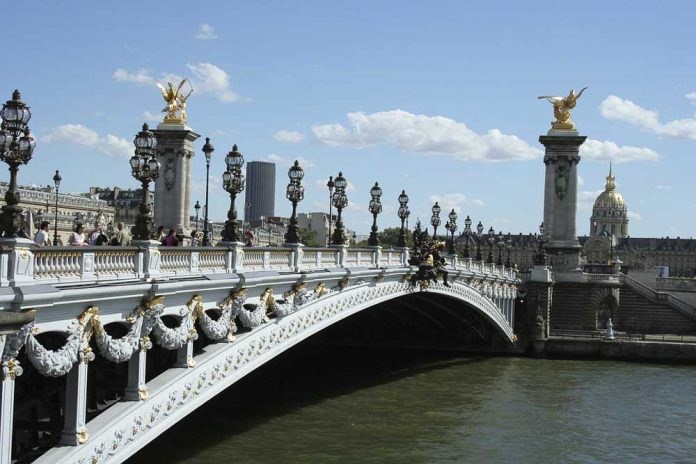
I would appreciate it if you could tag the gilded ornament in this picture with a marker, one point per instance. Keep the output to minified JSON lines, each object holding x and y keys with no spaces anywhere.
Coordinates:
{"x":175,"y":110}
{"x":143,"y":393}
{"x":562,"y":109}
{"x":82,"y":436}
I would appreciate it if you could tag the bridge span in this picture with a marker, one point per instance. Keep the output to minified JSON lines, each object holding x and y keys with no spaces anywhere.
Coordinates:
{"x":163,"y":330}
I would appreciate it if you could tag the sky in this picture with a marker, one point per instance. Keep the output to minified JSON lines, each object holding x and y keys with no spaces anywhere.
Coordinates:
{"x":438,"y":98}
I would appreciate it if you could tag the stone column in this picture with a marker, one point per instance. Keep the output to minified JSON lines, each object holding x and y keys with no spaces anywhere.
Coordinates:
{"x":14,"y":328}
{"x":74,"y":429}
{"x":172,"y":188}
{"x":560,"y":196}
{"x":136,"y":388}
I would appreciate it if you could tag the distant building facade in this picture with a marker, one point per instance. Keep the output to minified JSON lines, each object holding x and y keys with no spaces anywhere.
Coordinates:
{"x":260,"y":191}
{"x":125,"y":202}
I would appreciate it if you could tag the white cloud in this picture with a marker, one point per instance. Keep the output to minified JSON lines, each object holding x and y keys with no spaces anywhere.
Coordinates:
{"x":619,"y":109}
{"x":212,"y":80}
{"x":691,"y":96}
{"x":288,"y":136}
{"x":587,"y":198}
{"x":77,"y":134}
{"x":152,"y":117}
{"x":424,"y":134}
{"x":140,"y":77}
{"x":606,"y":150}
{"x":449,"y":201}
{"x":633,"y":215}
{"x":477,"y":202}
{"x":286,"y":161}
{"x":206,"y":32}
{"x":321,"y":183}
{"x":663,"y":188}
{"x":208,"y":79}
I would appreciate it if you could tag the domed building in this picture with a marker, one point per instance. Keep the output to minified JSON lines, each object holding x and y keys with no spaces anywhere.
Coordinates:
{"x":610,"y":213}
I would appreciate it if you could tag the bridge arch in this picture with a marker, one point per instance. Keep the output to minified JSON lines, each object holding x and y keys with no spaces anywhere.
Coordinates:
{"x":126,"y":427}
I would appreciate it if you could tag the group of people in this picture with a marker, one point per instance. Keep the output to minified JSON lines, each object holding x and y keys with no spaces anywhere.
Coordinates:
{"x":96,"y":237}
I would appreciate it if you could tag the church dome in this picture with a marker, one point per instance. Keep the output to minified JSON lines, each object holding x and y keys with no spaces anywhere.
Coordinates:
{"x":610,"y":198}
{"x":610,"y":213}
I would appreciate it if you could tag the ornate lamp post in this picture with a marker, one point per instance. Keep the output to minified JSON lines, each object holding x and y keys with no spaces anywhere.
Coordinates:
{"x":56,"y":184}
{"x":404,"y":213}
{"x":467,"y":236}
{"x":479,"y":237}
{"x":491,"y":240}
{"x":340,"y":201}
{"x":208,"y":150}
{"x":16,"y":148}
{"x":500,"y":245}
{"x":331,"y":185}
{"x":452,"y":227}
{"x":508,"y":248}
{"x":375,"y":208}
{"x":435,"y":219}
{"x":541,"y":239}
{"x":233,"y":183}
{"x":197,"y":207}
{"x":145,"y":168}
{"x":295,"y":193}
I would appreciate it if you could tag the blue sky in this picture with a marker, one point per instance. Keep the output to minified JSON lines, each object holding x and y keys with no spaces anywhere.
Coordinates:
{"x":437,"y":98}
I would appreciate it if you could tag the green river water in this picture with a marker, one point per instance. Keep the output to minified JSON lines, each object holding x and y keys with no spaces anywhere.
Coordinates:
{"x":326,"y":405}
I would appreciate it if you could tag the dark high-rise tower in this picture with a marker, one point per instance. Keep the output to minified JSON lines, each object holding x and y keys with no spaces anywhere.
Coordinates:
{"x":260,"y":190}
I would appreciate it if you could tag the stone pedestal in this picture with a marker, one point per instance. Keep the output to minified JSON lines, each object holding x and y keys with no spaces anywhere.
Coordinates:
{"x":16,"y":262}
{"x":173,"y":187}
{"x":560,"y":197}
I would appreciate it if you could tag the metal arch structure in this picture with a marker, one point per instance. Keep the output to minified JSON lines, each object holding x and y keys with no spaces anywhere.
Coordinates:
{"x":357,"y":280}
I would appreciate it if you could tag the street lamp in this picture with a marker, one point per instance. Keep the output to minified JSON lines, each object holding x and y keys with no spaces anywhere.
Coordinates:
{"x":500,"y":245}
{"x":208,"y":150}
{"x":467,"y":236}
{"x":340,"y":201}
{"x":56,"y":184}
{"x":479,"y":237}
{"x":197,"y":207}
{"x":233,"y":183}
{"x":508,"y":247}
{"x":541,"y":239}
{"x":16,"y":148}
{"x":404,"y":213}
{"x":375,"y":207}
{"x":452,"y":227}
{"x":295,"y":193}
{"x":491,"y":241}
{"x":145,"y":168}
{"x":330,"y":185}
{"x":435,"y":219}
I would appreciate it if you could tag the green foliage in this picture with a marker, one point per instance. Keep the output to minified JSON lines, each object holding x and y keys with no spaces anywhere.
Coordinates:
{"x":389,"y":237}
{"x":308,"y":237}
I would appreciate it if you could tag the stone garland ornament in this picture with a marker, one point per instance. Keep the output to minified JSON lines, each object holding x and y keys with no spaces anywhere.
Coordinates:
{"x":297,"y":297}
{"x":253,"y":315}
{"x":119,"y":349}
{"x":225,"y":326}
{"x":11,"y":346}
{"x":57,"y":363}
{"x":175,"y":338}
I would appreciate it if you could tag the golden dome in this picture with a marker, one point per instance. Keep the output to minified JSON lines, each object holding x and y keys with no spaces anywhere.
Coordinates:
{"x":610,"y":198}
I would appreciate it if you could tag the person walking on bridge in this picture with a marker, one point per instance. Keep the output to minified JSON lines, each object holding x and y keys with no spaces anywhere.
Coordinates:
{"x":122,"y":237}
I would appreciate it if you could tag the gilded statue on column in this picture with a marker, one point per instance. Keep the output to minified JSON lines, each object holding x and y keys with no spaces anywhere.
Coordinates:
{"x":562,"y":108}
{"x":175,"y":111}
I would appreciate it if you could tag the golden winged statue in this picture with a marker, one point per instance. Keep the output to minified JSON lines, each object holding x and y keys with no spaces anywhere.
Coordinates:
{"x":562,"y":107}
{"x":175,"y":111}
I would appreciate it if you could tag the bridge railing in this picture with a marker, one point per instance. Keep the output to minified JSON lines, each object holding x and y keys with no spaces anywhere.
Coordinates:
{"x":84,"y":265}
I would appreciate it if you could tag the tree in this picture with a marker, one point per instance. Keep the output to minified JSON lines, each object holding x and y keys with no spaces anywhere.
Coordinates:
{"x":389,"y":237}
{"x":308,"y":237}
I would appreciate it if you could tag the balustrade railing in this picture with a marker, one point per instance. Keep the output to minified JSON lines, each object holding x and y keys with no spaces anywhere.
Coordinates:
{"x":65,"y":265}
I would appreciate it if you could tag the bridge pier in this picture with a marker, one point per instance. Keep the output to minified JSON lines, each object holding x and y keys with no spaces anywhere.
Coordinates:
{"x":74,"y":429}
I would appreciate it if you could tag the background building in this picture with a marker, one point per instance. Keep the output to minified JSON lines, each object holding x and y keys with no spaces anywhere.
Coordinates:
{"x":124,"y":202}
{"x":260,"y":191}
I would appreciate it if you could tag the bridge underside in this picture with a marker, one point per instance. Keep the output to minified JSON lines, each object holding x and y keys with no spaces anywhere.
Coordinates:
{"x":421,"y":321}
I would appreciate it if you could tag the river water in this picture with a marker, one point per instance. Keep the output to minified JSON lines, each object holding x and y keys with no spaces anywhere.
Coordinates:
{"x":327,"y":405}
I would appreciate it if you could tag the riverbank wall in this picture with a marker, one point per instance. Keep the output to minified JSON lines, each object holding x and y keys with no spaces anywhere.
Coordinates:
{"x":622,"y":350}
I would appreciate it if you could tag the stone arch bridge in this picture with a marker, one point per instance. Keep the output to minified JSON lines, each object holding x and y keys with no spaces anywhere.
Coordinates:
{"x":176,"y":326}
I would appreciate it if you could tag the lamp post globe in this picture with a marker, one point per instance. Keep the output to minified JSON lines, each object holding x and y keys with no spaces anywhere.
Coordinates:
{"x":452,"y":228}
{"x":435,"y":219}
{"x":340,"y":201}
{"x":145,"y":168}
{"x":331,"y":185}
{"x":403,"y":213}
{"x":467,"y":236}
{"x":295,"y":193}
{"x":233,"y":183}
{"x":208,"y":150}
{"x":491,"y":240}
{"x":479,"y":237}
{"x":56,"y":184}
{"x":375,"y":207}
{"x":197,"y":207}
{"x":16,"y":148}
{"x":500,"y":244}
